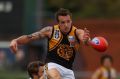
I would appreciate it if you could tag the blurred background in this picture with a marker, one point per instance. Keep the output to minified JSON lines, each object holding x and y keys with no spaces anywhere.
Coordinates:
{"x":18,"y":17}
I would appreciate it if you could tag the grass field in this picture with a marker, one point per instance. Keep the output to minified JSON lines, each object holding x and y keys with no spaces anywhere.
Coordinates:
{"x":13,"y":74}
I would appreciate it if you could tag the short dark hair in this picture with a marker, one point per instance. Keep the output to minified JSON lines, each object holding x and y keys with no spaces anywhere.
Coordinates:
{"x":33,"y":68}
{"x":62,"y":12}
{"x":106,"y":57}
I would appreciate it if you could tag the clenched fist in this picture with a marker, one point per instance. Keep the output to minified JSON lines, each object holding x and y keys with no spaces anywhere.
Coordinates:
{"x":86,"y":36}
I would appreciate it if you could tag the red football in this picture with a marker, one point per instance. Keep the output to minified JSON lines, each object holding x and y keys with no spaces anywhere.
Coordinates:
{"x":99,"y":43}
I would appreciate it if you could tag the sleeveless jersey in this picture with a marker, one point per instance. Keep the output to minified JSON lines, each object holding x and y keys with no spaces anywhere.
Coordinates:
{"x":61,"y":48}
{"x":104,"y":73}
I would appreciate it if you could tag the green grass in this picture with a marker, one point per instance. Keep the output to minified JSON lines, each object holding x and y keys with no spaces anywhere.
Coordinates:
{"x":13,"y":74}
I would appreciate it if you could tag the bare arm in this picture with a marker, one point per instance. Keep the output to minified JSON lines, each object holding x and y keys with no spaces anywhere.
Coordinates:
{"x":45,"y":32}
{"x":83,"y":35}
{"x":96,"y":74}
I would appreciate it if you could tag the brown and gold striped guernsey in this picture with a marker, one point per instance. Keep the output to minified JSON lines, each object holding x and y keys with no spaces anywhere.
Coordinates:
{"x":61,"y":47}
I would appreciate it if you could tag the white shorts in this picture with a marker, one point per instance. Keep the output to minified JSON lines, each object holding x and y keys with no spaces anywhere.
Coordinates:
{"x":64,"y":72}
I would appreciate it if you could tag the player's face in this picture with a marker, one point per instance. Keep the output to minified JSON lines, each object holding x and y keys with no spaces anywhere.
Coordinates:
{"x":107,"y":63}
{"x":65,"y":23}
{"x":40,"y":73}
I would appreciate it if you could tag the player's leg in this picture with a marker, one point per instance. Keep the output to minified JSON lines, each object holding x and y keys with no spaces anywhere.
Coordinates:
{"x":57,"y":71}
{"x":54,"y":73}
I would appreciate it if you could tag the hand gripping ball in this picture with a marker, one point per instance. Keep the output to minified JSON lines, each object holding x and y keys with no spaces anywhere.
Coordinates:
{"x":99,"y":43}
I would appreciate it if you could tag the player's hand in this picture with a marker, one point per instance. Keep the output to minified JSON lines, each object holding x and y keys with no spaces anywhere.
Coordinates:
{"x":86,"y":36}
{"x":13,"y":46}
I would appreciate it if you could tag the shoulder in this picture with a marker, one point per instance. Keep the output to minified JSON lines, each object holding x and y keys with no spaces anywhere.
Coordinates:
{"x":98,"y":71}
{"x":46,"y":31}
{"x":47,"y":28}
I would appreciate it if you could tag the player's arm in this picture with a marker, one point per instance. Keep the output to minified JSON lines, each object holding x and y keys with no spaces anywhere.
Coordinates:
{"x":114,"y":74}
{"x":83,"y":35}
{"x":45,"y":32}
{"x":24,"y":39}
{"x":96,"y":74}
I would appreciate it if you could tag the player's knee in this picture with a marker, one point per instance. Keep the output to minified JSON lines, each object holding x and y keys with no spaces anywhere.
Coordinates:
{"x":56,"y":76}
